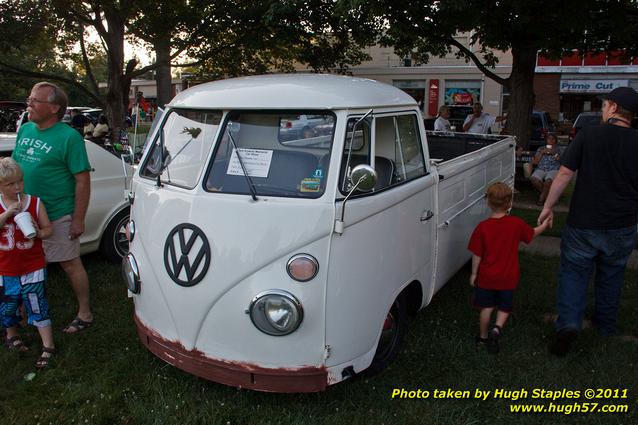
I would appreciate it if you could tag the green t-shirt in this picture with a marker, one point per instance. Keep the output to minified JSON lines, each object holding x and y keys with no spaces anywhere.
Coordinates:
{"x":49,"y":159}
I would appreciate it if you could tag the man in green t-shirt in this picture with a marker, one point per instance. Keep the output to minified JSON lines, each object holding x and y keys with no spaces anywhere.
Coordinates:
{"x":56,"y":169}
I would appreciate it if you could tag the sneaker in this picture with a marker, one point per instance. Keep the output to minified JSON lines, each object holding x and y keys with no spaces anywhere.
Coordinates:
{"x":492,"y":339}
{"x":479,"y":342}
{"x":563,"y":341}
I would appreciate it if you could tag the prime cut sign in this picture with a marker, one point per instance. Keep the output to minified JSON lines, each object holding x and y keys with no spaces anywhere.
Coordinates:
{"x":591,"y":86}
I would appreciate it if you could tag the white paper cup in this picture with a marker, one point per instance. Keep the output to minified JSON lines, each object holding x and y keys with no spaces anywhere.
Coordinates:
{"x":548,"y":146}
{"x":25,"y":224}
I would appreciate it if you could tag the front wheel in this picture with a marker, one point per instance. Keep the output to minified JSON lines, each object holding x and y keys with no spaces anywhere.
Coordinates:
{"x":114,"y":244}
{"x":392,"y":332}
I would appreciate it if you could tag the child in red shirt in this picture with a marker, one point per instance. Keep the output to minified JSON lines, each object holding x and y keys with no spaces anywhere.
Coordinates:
{"x":22,"y":263}
{"x":495,"y":272}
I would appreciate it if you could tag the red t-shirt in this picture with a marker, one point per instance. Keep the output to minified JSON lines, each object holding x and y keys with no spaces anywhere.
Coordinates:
{"x":19,"y":255}
{"x":496,"y":241}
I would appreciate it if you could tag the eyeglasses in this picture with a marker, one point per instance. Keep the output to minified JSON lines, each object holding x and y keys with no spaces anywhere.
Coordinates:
{"x":31,"y":100}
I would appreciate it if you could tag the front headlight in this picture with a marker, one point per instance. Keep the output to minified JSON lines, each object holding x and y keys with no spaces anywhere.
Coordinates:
{"x":131,"y":273}
{"x":276,"y":312}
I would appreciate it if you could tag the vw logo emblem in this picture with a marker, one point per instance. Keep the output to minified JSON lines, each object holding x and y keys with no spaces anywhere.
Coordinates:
{"x":187,"y":254}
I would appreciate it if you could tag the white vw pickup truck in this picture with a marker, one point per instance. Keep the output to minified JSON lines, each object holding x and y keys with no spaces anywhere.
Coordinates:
{"x":283,"y":227}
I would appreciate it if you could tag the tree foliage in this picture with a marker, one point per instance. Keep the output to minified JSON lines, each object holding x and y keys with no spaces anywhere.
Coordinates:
{"x":523,"y":27}
{"x":224,"y":38}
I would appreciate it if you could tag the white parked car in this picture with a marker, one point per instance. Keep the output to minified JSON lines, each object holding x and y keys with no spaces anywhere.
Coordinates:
{"x":108,"y":211}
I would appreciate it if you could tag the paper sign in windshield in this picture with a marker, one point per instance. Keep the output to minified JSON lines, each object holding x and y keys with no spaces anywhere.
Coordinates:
{"x":256,"y":161}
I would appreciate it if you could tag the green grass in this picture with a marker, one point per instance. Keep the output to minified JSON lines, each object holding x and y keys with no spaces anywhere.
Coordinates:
{"x":531,"y":217}
{"x":105,"y":376}
{"x":528,"y":195}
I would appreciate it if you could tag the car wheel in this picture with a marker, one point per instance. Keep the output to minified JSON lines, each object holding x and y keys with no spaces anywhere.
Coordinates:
{"x":114,"y":244}
{"x":392,"y":332}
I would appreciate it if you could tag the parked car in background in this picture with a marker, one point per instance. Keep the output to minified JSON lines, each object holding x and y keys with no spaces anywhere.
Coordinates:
{"x":93,"y":114}
{"x":10,"y":112}
{"x":585,"y":119}
{"x":294,"y":127}
{"x":67,"y":113}
{"x":542,"y":125}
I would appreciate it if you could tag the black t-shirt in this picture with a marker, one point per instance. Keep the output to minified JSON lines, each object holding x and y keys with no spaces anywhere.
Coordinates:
{"x":606,"y":192}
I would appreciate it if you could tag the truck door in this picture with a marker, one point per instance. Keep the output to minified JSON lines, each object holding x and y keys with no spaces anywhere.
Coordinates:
{"x":388,"y":237}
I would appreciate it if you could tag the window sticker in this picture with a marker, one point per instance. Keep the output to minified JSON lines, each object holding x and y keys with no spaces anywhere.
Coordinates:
{"x":318,"y":174}
{"x":256,"y":161}
{"x":310,"y":185}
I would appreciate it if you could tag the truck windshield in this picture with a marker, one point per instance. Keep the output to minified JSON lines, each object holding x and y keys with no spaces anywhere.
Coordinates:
{"x":187,"y":137}
{"x":277,"y":153}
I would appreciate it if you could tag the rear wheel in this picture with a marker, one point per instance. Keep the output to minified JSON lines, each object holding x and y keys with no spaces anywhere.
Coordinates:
{"x":392,"y":332}
{"x":114,"y":244}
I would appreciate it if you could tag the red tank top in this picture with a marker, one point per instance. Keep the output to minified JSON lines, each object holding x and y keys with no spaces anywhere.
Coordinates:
{"x":19,"y":255}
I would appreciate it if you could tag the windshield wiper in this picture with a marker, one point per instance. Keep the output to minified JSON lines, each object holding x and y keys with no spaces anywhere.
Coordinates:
{"x":161,"y":158}
{"x":251,"y":185}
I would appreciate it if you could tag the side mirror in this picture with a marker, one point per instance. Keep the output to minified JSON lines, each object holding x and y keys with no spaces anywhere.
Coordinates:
{"x":363,"y":178}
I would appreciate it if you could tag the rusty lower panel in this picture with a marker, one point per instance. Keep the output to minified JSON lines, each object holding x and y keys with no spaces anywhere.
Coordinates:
{"x":236,"y":374}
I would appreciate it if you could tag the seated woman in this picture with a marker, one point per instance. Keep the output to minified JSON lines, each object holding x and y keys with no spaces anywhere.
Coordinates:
{"x":101,"y":128}
{"x":547,"y":163}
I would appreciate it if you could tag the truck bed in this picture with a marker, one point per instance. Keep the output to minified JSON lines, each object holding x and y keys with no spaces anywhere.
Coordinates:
{"x":446,"y":146}
{"x":466,"y":164}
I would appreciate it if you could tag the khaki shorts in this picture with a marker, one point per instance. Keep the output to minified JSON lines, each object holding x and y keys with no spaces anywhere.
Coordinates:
{"x":58,"y":247}
{"x":543,"y":175}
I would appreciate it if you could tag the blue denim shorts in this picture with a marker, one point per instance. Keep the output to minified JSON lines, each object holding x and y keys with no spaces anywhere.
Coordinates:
{"x":488,"y":298}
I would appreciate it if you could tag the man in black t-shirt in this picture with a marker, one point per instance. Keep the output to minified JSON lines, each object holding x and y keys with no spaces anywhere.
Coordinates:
{"x":601,"y":225}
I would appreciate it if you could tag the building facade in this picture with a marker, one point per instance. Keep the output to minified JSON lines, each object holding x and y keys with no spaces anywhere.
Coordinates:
{"x":441,"y":81}
{"x":568,"y":86}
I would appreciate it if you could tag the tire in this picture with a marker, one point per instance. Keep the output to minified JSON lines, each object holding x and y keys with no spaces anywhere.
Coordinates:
{"x":114,"y":245}
{"x":393,"y":330}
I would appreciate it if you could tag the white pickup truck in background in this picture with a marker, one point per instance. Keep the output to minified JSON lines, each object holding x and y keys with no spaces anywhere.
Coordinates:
{"x":289,"y":262}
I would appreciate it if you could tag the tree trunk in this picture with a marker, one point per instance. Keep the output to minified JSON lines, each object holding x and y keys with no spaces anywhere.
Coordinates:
{"x":521,"y":82}
{"x":163,"y":71}
{"x":119,"y":81}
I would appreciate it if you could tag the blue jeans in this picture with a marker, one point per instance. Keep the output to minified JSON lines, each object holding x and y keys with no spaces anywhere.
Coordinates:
{"x":582,"y":251}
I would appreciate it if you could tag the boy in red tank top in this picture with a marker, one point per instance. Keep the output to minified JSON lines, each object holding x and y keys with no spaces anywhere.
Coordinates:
{"x":22,"y":263}
{"x":495,"y":272}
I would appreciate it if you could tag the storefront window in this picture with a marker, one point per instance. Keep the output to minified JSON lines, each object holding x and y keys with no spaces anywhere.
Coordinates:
{"x":462,"y":92}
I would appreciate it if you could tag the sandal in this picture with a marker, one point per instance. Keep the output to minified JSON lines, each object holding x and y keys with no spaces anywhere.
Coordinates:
{"x":43,"y":361}
{"x":77,"y":325}
{"x":16,"y":344}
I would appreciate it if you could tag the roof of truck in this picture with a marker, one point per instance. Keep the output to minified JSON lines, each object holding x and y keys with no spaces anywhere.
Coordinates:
{"x":292,"y":91}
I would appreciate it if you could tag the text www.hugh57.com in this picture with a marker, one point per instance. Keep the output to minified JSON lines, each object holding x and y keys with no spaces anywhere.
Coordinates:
{"x":568,"y":409}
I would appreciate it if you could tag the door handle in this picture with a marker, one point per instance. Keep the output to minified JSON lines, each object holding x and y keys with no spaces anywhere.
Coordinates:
{"x":428,"y":215}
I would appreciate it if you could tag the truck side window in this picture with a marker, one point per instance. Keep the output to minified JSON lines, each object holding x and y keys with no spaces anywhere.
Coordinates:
{"x":411,"y":162}
{"x":398,"y":143}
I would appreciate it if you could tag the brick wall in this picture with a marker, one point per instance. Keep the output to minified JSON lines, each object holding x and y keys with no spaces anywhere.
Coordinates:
{"x":546,"y":89}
